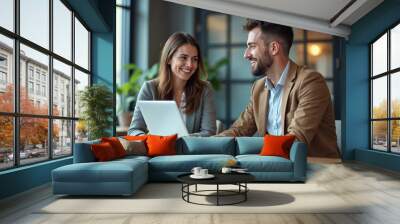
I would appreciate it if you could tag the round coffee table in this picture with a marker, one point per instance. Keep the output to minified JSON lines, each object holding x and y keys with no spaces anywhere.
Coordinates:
{"x":238,"y":179}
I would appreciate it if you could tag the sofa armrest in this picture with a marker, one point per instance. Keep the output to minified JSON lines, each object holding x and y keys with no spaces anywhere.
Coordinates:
{"x":298,"y":155}
{"x":83,"y":152}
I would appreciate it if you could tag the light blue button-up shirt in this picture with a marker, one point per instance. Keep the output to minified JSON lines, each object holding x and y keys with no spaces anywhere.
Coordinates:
{"x":274,"y":122}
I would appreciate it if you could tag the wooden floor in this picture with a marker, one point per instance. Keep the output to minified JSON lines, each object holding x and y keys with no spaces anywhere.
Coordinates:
{"x":377,"y":188}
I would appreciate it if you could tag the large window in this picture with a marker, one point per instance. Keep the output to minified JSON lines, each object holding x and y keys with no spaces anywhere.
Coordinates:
{"x":44,"y":63}
{"x":385,"y":92}
{"x":224,"y":38}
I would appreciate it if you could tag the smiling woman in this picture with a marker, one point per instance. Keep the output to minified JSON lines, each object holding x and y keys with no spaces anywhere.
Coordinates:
{"x":179,"y":79}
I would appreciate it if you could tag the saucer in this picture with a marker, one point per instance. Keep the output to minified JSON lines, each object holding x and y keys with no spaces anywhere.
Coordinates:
{"x":208,"y":176}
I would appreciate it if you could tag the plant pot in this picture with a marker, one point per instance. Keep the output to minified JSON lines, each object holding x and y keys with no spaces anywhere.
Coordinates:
{"x":125,"y":118}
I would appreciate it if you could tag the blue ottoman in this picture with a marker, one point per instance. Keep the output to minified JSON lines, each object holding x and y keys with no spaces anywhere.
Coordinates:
{"x":118,"y":177}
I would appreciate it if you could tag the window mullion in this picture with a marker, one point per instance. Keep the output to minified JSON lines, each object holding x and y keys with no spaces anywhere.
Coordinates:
{"x":16,"y":84}
{"x":389,"y":114}
{"x":50,"y":81}
{"x":73,"y":81}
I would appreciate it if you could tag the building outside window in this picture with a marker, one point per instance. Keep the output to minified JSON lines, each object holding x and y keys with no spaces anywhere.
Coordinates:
{"x":33,"y":81}
{"x":385,"y":92}
{"x":3,"y":72}
{"x":3,"y":61}
{"x":30,"y":72}
{"x":30,"y":87}
{"x":3,"y":79}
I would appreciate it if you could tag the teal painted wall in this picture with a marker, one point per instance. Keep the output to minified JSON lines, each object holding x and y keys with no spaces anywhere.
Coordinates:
{"x":102,"y":58}
{"x":103,"y":64}
{"x":356,"y":120}
{"x":24,"y":178}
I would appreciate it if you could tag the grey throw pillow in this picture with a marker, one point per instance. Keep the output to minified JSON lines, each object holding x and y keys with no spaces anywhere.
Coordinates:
{"x":137,"y":147}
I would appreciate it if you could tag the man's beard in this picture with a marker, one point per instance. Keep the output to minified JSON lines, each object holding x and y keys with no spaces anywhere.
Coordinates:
{"x":262,"y":66}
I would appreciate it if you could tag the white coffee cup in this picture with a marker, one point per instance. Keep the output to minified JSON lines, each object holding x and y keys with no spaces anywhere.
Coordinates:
{"x":203,"y":172}
{"x":196,"y":170}
{"x":226,"y":170}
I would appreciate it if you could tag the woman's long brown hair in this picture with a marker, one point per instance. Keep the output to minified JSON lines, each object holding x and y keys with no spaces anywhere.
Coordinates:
{"x":194,"y":86}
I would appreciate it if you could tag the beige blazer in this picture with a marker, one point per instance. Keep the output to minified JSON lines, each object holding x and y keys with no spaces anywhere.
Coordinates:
{"x":306,"y":111}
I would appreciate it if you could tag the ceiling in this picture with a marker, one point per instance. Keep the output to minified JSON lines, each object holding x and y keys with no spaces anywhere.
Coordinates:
{"x":327,"y":16}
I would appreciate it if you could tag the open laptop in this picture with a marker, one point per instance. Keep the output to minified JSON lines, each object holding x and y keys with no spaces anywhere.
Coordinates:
{"x":162,"y":118}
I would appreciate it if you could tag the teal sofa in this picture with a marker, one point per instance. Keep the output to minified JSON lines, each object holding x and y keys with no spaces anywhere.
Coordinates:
{"x":125,"y":176}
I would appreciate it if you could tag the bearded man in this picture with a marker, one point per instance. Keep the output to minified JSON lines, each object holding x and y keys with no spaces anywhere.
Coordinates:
{"x":289,"y":99}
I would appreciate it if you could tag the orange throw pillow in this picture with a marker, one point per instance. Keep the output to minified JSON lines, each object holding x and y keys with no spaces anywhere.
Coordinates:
{"x":135,"y":138}
{"x":103,"y":152}
{"x":277,"y":145}
{"x":161,"y":145}
{"x":116,"y":145}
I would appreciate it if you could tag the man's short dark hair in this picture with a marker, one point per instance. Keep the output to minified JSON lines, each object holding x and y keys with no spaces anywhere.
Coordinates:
{"x":284,"y":33}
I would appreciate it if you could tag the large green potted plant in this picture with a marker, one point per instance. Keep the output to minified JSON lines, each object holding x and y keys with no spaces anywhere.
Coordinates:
{"x":96,"y":104}
{"x":130,"y":90}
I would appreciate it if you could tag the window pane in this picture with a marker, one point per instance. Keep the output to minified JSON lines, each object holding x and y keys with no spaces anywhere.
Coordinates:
{"x":122,"y":44}
{"x":81,"y":131}
{"x":81,"y":81}
{"x":123,"y":2}
{"x":216,"y":26}
{"x":379,"y":56}
{"x":379,"y":98}
{"x":62,"y":138}
{"x":395,"y":47}
{"x":395,"y":136}
{"x":238,"y":35}
{"x":395,"y":95}
{"x":240,"y":67}
{"x":34,"y":81}
{"x":214,"y":55}
{"x":62,"y":89}
{"x":62,"y":29}
{"x":220,"y":102}
{"x":33,"y":139}
{"x":298,"y":34}
{"x":81,"y":45}
{"x":6,"y":142}
{"x":35,"y":21}
{"x":240,"y":95}
{"x":7,"y":14}
{"x":297,"y":53}
{"x":6,"y":74}
{"x":320,"y":58}
{"x":311,"y":35}
{"x":379,"y":135}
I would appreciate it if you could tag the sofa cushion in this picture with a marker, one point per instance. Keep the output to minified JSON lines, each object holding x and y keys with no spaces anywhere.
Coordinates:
{"x":161,"y":145}
{"x":249,"y":145}
{"x":116,"y":145}
{"x":111,"y":171}
{"x":277,"y":145}
{"x":135,"y":138}
{"x":185,"y":163}
{"x":136,"y":147}
{"x":257,"y":163}
{"x":83,"y":153}
{"x":206,"y":145}
{"x":103,"y":152}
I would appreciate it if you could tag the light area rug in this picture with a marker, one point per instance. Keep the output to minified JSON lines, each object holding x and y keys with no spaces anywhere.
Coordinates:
{"x":166,"y":198}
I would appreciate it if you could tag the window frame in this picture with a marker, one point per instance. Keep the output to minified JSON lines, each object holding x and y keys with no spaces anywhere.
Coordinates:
{"x":16,"y":114}
{"x":388,"y":74}
{"x":229,"y":81}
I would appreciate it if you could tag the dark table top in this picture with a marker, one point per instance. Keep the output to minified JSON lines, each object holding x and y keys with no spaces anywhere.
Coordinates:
{"x":220,"y":178}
